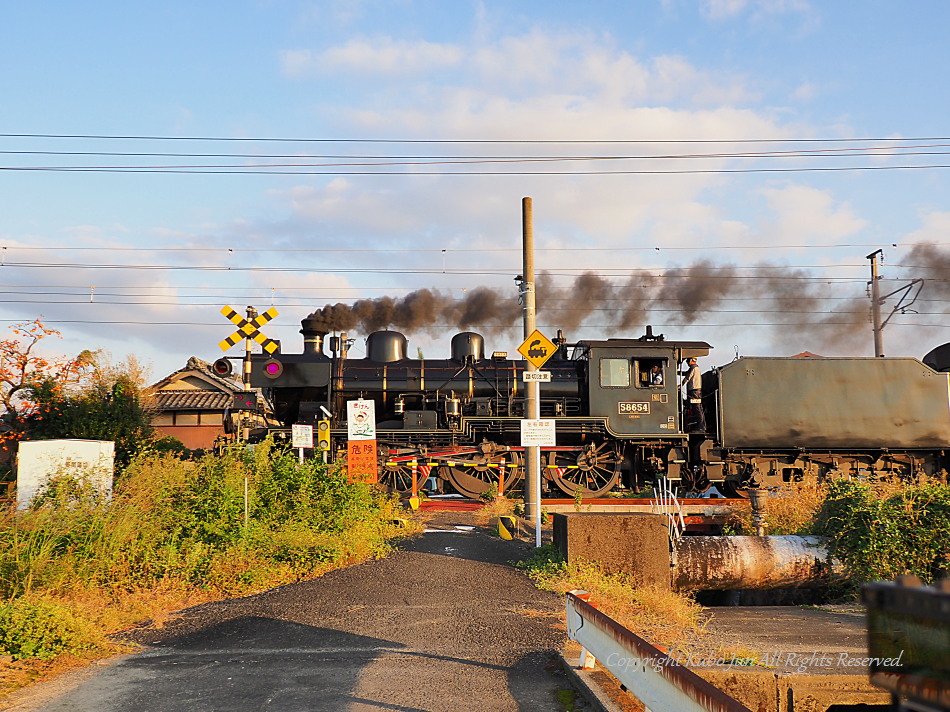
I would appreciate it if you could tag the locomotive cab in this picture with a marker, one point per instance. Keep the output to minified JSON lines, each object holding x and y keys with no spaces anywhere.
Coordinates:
{"x":634,"y":384}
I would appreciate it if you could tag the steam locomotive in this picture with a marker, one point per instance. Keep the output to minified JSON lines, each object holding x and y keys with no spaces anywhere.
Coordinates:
{"x":769,"y":421}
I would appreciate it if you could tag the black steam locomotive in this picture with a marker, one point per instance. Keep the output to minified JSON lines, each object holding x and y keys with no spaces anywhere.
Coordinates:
{"x":620,"y":420}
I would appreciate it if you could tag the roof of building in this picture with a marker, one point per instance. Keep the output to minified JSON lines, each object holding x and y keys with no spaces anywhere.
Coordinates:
{"x":198,"y":387}
{"x":192,"y":400}
{"x":200,"y":371}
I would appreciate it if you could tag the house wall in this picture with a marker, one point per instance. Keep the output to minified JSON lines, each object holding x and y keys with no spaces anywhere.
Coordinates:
{"x":193,"y":436}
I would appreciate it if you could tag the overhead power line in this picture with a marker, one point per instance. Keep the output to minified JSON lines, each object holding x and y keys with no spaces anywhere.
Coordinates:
{"x":427,"y":164}
{"x":464,"y":141}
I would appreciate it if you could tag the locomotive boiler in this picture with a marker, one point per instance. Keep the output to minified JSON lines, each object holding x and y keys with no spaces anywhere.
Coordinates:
{"x":620,"y":420}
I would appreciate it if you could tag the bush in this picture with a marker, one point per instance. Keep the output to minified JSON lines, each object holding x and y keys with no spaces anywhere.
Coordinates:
{"x":43,"y":629}
{"x":879,"y":535}
{"x":181,"y":525}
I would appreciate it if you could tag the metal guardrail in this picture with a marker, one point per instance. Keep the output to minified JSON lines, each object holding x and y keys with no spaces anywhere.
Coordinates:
{"x":909,"y":641}
{"x":656,"y":679}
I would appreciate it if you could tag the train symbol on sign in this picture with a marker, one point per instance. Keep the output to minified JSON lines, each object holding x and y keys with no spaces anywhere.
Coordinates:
{"x":535,"y":350}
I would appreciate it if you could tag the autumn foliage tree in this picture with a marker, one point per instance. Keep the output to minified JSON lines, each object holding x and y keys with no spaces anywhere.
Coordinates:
{"x":22,"y":368}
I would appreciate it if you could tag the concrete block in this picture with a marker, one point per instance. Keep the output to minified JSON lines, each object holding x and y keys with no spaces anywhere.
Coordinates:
{"x":635,"y":544}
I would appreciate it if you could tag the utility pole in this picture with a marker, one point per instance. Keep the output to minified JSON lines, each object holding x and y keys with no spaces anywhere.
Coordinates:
{"x":877,"y":300}
{"x":876,"y":305}
{"x":532,"y":500}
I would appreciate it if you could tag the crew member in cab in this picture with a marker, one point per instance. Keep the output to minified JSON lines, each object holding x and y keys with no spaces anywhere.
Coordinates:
{"x":693,"y":416}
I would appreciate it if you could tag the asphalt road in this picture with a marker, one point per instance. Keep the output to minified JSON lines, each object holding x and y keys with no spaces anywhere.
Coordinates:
{"x":443,"y":625}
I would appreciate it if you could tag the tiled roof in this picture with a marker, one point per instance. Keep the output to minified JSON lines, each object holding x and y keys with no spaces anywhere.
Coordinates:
{"x":192,"y":400}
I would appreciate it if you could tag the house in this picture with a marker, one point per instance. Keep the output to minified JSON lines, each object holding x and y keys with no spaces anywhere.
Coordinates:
{"x":197,"y":406}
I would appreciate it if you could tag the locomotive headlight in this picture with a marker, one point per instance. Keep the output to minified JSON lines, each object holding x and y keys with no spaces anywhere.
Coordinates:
{"x":273,"y":368}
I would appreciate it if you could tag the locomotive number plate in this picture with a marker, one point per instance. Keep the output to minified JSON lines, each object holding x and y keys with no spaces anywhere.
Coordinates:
{"x":629,"y":408}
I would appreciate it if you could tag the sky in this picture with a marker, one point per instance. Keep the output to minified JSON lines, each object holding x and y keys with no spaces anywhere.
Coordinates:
{"x":719,"y":170}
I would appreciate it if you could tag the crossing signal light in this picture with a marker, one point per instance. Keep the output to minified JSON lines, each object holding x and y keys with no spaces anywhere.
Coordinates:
{"x":221,"y":367}
{"x":323,"y":435}
{"x":273,"y":368}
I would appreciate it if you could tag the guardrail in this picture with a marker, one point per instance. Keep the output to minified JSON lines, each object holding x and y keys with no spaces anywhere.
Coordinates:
{"x":656,"y":679}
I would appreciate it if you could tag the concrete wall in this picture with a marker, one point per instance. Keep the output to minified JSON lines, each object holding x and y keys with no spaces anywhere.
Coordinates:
{"x":635,"y":544}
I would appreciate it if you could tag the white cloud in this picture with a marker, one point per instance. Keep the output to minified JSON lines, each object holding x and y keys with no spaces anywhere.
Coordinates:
{"x":726,"y":9}
{"x":380,"y":56}
{"x":805,"y":215}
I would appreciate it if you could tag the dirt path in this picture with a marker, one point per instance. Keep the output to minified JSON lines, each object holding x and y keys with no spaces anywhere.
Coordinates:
{"x":445,"y":624}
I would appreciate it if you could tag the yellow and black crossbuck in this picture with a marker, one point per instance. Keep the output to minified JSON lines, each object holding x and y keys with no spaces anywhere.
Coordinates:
{"x":249,"y":329}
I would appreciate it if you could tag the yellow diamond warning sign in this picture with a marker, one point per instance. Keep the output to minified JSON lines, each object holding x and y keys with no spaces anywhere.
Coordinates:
{"x":537,"y":349}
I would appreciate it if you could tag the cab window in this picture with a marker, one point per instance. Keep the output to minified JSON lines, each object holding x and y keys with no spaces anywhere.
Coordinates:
{"x":651,"y":373}
{"x":614,"y":373}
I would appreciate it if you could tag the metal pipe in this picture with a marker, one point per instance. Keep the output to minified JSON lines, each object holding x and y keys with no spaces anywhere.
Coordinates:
{"x":724,"y":563}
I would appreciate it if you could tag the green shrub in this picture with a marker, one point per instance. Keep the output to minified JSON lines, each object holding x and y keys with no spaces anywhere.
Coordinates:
{"x":882,"y":535}
{"x":43,"y":629}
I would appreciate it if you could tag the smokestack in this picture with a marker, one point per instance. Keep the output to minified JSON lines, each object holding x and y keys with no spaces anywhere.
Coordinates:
{"x":312,"y":336}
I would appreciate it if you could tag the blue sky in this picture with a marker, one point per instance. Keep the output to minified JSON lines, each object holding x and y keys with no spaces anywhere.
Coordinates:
{"x":419,"y":82}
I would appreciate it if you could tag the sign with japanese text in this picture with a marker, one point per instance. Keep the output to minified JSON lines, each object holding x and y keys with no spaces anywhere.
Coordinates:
{"x":536,"y":433}
{"x":301,"y":436}
{"x":361,"y":461}
{"x":361,"y":420}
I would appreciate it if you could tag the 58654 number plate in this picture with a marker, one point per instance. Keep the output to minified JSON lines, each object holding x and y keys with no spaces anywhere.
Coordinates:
{"x":629,"y":408}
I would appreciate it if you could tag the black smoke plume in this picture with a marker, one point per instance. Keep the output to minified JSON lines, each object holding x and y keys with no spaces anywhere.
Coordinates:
{"x":794,"y":301}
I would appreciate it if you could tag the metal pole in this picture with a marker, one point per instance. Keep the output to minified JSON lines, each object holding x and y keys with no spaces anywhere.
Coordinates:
{"x":251,"y":314}
{"x":876,"y":305}
{"x":532,"y":504}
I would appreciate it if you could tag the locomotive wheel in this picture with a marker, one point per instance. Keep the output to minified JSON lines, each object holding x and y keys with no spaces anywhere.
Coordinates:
{"x":594,"y":471}
{"x":397,"y":477}
{"x":479,"y":474}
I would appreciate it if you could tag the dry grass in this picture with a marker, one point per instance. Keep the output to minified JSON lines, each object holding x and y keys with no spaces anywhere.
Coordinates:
{"x":661,"y":616}
{"x":788,"y":511}
{"x":498,"y":507}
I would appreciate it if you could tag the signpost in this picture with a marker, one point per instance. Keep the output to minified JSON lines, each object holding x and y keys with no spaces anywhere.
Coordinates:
{"x":536,"y":376}
{"x":249,"y":329}
{"x":301,"y":437}
{"x":537,"y":433}
{"x":537,"y":349}
{"x":361,"y":460}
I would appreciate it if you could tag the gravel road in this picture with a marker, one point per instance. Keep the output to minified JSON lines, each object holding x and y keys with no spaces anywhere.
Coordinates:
{"x":443,"y":625}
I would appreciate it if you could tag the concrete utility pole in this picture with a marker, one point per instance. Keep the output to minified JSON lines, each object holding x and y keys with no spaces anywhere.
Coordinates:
{"x":876,"y":305}
{"x":532,"y":500}
{"x":903,"y":304}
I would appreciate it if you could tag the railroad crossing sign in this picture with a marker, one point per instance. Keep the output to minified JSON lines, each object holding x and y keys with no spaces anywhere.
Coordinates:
{"x":249,"y":329}
{"x":537,"y":348}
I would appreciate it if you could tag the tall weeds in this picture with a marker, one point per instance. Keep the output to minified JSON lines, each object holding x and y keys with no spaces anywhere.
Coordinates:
{"x":224,"y":525}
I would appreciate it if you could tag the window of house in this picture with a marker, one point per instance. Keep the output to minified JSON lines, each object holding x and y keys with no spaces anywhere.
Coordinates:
{"x":614,"y":373}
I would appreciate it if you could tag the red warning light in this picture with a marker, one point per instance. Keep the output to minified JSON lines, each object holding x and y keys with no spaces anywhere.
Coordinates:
{"x":273,"y":368}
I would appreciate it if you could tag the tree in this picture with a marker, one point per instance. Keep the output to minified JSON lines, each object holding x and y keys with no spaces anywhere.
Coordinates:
{"x":108,"y":404}
{"x":22,"y":368}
